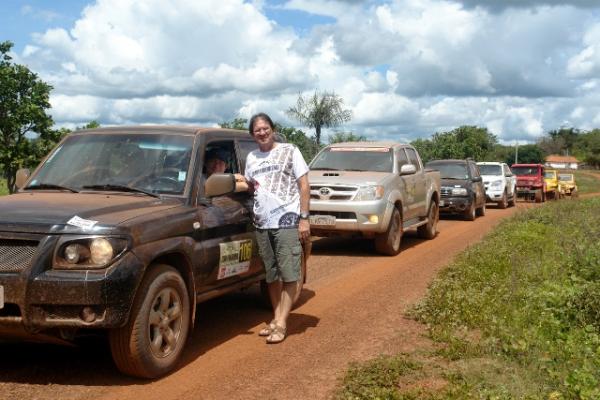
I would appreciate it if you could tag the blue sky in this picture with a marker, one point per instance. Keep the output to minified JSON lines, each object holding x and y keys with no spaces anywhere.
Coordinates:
{"x":405,"y":68}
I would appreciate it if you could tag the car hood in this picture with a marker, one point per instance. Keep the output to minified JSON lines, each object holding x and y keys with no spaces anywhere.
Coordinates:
{"x":50,"y":212}
{"x":491,"y":178}
{"x":357,"y":178}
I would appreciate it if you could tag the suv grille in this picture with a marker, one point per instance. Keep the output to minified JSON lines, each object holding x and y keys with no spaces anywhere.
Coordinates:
{"x":325,"y":192}
{"x":16,"y":255}
{"x":446,"y":191}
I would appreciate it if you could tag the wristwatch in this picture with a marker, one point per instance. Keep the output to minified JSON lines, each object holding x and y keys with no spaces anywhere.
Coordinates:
{"x":304,"y":215}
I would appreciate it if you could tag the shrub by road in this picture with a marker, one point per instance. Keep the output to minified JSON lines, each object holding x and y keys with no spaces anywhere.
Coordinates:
{"x":516,"y":316}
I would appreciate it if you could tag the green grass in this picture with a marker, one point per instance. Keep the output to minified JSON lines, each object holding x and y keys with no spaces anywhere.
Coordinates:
{"x":3,"y":188}
{"x":587,"y":183}
{"x":517,"y":316}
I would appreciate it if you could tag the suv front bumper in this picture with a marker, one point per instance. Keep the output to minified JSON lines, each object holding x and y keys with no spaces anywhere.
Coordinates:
{"x":454,"y":204}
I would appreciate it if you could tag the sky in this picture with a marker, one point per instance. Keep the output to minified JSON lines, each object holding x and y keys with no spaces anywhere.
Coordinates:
{"x":405,"y":68}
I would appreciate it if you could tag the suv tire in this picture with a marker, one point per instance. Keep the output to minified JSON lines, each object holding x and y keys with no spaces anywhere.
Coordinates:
{"x":470,"y":212}
{"x":388,"y":243}
{"x":503,"y":203}
{"x":150,"y":344}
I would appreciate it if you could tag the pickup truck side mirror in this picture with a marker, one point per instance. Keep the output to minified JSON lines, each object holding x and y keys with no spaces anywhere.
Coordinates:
{"x":408,"y":169}
{"x":219,"y":184}
{"x":22,"y":176}
{"x":477,"y":179}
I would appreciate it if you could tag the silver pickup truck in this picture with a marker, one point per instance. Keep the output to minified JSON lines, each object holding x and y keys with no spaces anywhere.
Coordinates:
{"x":375,"y":190}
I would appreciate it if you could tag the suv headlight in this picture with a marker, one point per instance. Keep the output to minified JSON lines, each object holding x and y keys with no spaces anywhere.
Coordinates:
{"x":88,"y":252}
{"x":496,"y":184}
{"x":369,"y":193}
{"x":459,"y":191}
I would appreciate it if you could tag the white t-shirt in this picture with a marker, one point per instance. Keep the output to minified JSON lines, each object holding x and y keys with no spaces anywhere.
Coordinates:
{"x":274,"y":175}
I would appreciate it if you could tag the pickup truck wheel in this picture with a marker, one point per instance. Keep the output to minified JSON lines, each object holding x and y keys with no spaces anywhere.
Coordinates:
{"x":388,"y":243}
{"x":429,"y":230}
{"x":481,"y":210}
{"x":150,"y":344}
{"x":470,"y":213}
{"x":503,"y":203}
{"x":538,"y":196}
{"x":511,"y":202}
{"x":264,"y":287}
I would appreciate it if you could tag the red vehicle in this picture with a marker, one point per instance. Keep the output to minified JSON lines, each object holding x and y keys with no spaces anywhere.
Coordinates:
{"x":530,"y":181}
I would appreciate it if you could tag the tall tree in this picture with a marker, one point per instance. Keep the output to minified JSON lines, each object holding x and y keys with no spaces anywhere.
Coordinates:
{"x":320,"y":110}
{"x":463,"y":142}
{"x":237,"y":123}
{"x":24,"y":100}
{"x":528,"y":154}
{"x":340,"y":137}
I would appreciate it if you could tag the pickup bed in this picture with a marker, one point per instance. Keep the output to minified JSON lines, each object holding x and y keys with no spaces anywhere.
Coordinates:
{"x":374,"y":190}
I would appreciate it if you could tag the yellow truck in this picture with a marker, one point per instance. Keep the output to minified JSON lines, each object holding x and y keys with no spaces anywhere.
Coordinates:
{"x":567,"y":182}
{"x":553,"y":188}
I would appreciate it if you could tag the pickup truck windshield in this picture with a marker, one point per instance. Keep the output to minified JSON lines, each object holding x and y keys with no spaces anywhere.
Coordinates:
{"x":521,"y":171}
{"x":565,"y":177}
{"x":550,"y":174}
{"x":156,"y":164}
{"x":490,"y":169}
{"x":451,"y":171}
{"x":354,"y":159}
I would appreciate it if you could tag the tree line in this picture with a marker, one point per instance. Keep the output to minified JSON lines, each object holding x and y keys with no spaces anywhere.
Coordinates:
{"x":27,"y":133}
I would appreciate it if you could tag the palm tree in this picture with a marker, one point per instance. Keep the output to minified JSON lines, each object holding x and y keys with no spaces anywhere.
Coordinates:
{"x":320,"y":110}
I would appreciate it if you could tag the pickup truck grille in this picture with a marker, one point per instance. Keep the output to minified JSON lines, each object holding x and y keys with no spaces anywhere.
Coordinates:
{"x":336,"y":214}
{"x":16,"y":255}
{"x":332,"y":192}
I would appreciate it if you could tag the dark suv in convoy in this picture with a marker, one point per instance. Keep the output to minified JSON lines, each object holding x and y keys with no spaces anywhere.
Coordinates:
{"x":462,"y":188}
{"x":119,"y":230}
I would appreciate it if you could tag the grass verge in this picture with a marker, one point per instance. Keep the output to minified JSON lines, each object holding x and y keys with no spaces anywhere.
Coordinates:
{"x":3,"y":187}
{"x":516,"y":316}
{"x":587,"y":183}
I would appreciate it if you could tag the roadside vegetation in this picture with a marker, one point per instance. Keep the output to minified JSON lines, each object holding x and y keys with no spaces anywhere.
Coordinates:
{"x":516,"y":316}
{"x":3,"y":187}
{"x":587,"y":183}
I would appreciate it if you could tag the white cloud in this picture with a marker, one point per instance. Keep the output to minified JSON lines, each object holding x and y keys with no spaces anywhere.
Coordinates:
{"x":406,"y":68}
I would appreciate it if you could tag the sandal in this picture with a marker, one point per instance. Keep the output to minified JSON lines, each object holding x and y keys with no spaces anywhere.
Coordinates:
{"x":266,"y":331}
{"x":277,"y":335}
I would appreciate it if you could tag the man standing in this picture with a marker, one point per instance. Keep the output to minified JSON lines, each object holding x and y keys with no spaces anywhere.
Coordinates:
{"x":277,"y":174}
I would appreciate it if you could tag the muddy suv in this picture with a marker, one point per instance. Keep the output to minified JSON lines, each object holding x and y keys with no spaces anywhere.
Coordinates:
{"x":119,"y":230}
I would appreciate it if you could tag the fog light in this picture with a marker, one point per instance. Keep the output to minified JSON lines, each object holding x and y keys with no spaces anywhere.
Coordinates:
{"x":88,"y":315}
{"x":374,"y":219}
{"x":73,"y":253}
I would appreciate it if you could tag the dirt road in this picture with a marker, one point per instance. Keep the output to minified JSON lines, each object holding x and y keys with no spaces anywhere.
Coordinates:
{"x":351,"y":309}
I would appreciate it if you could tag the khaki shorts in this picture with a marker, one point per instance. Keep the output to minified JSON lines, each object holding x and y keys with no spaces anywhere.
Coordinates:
{"x":281,"y":253}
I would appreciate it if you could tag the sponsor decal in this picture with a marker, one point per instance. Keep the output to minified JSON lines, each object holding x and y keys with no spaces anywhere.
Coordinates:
{"x":234,"y":258}
{"x":82,"y":223}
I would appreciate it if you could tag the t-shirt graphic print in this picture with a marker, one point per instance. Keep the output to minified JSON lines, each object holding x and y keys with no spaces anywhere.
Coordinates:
{"x":276,"y":195}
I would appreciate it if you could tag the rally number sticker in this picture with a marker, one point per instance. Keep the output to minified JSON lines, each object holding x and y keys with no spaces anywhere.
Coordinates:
{"x":234,"y":258}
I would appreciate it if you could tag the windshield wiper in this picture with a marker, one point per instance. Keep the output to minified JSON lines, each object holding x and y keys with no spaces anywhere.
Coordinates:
{"x":120,"y":188}
{"x":42,"y":186}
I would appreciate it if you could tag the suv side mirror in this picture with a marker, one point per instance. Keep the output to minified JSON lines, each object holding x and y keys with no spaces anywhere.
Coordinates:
{"x":408,"y":169}
{"x":23,"y":175}
{"x":219,"y":184}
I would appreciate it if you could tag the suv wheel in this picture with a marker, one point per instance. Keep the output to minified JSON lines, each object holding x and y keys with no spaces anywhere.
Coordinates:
{"x":429,"y":230}
{"x":470,"y":213}
{"x":150,"y":344}
{"x":503,"y":203}
{"x":481,"y":210}
{"x":388,"y":243}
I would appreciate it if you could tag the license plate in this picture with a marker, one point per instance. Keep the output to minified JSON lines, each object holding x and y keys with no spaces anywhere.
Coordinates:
{"x":442,"y":203}
{"x":1,"y":297}
{"x":322,"y":220}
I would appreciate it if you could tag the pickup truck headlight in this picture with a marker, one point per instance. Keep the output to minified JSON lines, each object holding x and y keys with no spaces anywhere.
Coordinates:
{"x":459,"y":192}
{"x":88,"y":252}
{"x":496,"y":184}
{"x":369,"y":193}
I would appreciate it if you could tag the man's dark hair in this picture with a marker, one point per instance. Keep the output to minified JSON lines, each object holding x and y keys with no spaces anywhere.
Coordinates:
{"x":256,"y":117}
{"x":217,"y":153}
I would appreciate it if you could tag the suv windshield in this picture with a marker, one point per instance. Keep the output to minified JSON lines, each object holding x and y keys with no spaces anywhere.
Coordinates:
{"x":450,"y":171}
{"x":487,"y":169}
{"x":565,"y":177}
{"x":520,"y":171}
{"x":118,"y":162}
{"x":377,"y":159}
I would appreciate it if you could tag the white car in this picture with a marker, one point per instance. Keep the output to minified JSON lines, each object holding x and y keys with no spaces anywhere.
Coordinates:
{"x":500,"y":183}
